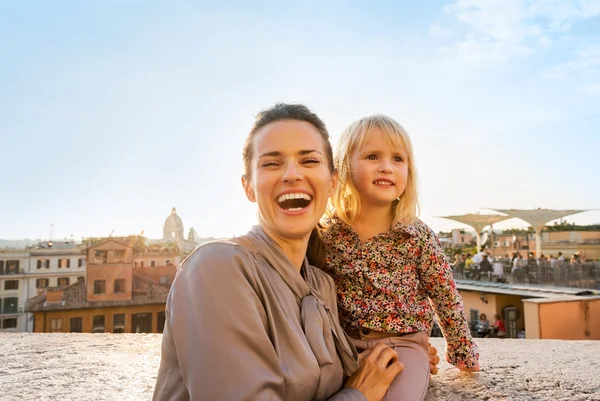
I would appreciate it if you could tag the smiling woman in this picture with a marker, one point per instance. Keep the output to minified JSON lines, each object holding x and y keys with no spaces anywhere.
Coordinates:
{"x":249,"y":318}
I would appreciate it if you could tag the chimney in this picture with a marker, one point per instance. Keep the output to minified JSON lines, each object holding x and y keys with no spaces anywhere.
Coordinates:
{"x":53,"y":296}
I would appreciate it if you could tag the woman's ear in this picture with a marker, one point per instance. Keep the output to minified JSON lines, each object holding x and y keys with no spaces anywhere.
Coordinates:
{"x":250,"y":194}
{"x":334,"y":183}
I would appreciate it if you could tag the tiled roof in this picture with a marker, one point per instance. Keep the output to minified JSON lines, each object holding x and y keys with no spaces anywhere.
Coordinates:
{"x":524,"y":290}
{"x":146,"y":292}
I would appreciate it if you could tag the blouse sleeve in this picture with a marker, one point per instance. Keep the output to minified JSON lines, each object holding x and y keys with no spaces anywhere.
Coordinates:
{"x":215,"y":344}
{"x":436,"y":276}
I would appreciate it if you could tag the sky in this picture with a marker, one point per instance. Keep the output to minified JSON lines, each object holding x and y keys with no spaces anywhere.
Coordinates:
{"x":113,"y":112}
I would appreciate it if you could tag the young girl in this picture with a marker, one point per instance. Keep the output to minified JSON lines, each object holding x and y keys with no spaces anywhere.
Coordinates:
{"x":389,"y":268}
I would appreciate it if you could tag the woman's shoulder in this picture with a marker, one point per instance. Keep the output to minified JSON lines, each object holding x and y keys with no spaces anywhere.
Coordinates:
{"x":218,"y":257}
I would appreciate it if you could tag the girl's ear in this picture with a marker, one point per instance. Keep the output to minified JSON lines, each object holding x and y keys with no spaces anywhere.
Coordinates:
{"x":250,"y":194}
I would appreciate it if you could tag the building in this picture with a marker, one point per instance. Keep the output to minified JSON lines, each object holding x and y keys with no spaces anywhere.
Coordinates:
{"x":28,"y":272}
{"x":173,"y":232}
{"x":534,"y":312}
{"x":13,"y":289}
{"x":587,"y":243}
{"x":124,"y":291}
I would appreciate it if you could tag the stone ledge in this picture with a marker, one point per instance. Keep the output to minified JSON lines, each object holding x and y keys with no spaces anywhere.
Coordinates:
{"x":123,"y":367}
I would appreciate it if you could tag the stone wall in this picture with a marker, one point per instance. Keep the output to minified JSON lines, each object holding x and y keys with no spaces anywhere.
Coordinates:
{"x":123,"y":367}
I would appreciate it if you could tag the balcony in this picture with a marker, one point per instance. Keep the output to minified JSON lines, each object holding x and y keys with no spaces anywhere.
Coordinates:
{"x":11,"y":311}
{"x":11,"y":272}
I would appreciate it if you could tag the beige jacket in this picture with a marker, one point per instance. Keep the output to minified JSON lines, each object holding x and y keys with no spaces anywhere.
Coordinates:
{"x":243,"y":324}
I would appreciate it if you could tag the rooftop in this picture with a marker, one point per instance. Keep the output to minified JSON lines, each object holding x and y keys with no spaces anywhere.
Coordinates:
{"x":123,"y":367}
{"x":146,"y":292}
{"x":524,"y":290}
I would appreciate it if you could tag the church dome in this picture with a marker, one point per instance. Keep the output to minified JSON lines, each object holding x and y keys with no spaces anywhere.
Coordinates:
{"x":173,"y":222}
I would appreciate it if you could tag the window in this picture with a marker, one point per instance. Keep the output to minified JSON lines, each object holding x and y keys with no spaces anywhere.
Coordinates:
{"x":152,"y":263}
{"x":64,"y":263}
{"x":98,"y":324}
{"x":11,"y":285}
{"x":142,"y":263}
{"x":141,"y":323}
{"x":135,"y":263}
{"x":161,"y":321}
{"x":41,"y":283}
{"x":118,"y":256}
{"x":56,"y":325}
{"x":168,"y":262}
{"x":99,"y":286}
{"x":43,"y":264}
{"x":119,"y":323}
{"x":81,"y":262}
{"x":474,"y":318}
{"x":119,"y":286}
{"x":1,"y":267}
{"x":12,"y":267}
{"x":100,"y":256}
{"x":76,"y":325}
{"x":10,"y":304}
{"x":80,"y":278}
{"x":9,"y":323}
{"x":63,"y":281}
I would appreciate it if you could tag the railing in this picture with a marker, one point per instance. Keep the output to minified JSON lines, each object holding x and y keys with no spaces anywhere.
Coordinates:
{"x":559,"y":274}
{"x":10,"y":311}
{"x":10,"y":272}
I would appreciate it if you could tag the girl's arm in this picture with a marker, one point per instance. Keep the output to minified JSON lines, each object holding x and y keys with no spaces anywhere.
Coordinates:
{"x":436,"y":277}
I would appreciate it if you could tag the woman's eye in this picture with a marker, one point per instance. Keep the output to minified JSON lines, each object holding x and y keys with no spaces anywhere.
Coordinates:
{"x":269,"y":164}
{"x":311,"y":161}
{"x":372,"y":157}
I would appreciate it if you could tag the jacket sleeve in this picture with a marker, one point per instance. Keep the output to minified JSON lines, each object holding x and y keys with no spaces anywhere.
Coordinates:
{"x":436,"y":276}
{"x":216,"y":344}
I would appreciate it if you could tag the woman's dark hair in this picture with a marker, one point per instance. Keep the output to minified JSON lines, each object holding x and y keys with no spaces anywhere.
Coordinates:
{"x":298,"y":112}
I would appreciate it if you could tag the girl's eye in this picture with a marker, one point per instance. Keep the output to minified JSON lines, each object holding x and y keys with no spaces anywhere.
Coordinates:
{"x":397,"y":159}
{"x":372,"y":157}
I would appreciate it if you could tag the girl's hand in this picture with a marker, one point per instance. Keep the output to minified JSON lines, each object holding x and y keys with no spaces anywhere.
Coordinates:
{"x":476,"y":368}
{"x":434,"y":359}
{"x":378,"y":367}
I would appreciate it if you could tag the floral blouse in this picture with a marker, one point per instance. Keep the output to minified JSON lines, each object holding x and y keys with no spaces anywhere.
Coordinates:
{"x":391,"y":282}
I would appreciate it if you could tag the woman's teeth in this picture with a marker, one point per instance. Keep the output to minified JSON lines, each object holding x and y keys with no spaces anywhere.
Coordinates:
{"x":294,"y":201}
{"x":383,"y":183}
{"x":297,"y":195}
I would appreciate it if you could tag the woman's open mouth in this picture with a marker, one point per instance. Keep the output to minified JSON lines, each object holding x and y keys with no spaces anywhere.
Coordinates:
{"x":294,"y":202}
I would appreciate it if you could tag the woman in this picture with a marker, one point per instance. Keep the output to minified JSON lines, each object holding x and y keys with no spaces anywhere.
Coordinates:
{"x":483,"y":326}
{"x":249,"y":318}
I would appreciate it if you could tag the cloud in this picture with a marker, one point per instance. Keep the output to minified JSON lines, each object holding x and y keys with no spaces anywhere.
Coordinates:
{"x":437,"y":30}
{"x":499,"y":30}
{"x":590,"y":89}
{"x":584,"y":63}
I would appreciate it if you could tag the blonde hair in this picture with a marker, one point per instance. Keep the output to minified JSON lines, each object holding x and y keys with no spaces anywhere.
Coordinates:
{"x":345,"y":203}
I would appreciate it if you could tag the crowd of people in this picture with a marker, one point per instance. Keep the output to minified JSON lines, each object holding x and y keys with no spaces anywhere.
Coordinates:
{"x":516,"y":267}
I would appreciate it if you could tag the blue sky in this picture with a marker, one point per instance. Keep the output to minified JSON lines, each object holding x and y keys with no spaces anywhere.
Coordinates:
{"x":112,"y":112}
